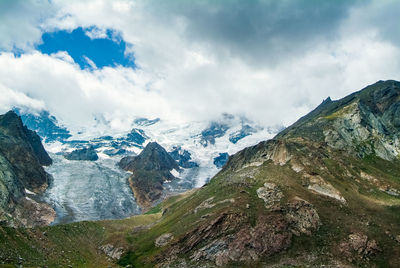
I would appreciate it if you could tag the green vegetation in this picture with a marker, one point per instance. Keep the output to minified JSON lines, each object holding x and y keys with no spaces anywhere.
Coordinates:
{"x":352,"y":194}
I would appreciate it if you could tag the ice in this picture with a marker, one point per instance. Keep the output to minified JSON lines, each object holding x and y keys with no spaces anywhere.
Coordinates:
{"x":84,"y":190}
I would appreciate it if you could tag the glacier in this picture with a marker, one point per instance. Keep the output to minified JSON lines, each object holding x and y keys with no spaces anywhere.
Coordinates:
{"x":85,"y":190}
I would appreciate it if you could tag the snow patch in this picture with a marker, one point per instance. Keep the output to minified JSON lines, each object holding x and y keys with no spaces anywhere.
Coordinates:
{"x":29,"y":192}
{"x":175,"y":173}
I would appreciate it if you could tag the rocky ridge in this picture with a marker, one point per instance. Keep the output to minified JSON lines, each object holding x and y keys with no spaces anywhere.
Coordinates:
{"x":329,"y":182}
{"x":21,"y":159}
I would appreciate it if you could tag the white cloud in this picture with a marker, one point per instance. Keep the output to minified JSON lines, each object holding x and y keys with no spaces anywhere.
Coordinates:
{"x":10,"y":98}
{"x":21,"y":22}
{"x":181,"y":78}
{"x":96,"y":33}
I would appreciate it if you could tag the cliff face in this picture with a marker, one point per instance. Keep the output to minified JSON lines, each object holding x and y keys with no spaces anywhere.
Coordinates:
{"x":150,"y":169}
{"x":21,"y":159}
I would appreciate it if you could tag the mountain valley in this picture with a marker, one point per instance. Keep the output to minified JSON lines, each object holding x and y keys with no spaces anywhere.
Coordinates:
{"x":322,"y":192}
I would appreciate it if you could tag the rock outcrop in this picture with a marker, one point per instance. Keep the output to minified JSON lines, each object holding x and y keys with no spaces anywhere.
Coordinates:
{"x":150,"y":169}
{"x":21,"y":159}
{"x":221,"y":160}
{"x":87,"y":153}
{"x":358,"y":245}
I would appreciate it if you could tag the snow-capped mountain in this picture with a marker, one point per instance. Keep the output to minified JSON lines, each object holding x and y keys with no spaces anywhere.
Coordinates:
{"x":200,"y":149}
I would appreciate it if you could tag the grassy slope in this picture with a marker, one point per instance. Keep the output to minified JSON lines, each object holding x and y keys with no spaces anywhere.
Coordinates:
{"x":75,"y":244}
{"x":369,"y":210}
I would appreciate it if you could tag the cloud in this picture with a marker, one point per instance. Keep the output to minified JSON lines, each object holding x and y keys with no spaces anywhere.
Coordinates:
{"x":21,"y":23}
{"x":12,"y":98}
{"x":271,"y":61}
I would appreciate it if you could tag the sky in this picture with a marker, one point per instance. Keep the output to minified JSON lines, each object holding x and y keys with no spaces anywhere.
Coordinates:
{"x":270,"y":61}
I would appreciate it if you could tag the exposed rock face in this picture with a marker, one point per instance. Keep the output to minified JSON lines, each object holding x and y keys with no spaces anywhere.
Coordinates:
{"x":221,"y":160}
{"x":183,"y":157}
{"x":215,"y":130}
{"x":248,"y":244}
{"x":302,"y":217}
{"x":229,"y":237}
{"x":151,"y":168}
{"x":33,"y":213}
{"x":137,"y":136}
{"x":22,"y":148}
{"x":45,"y":125}
{"x":111,"y":251}
{"x":320,"y":186}
{"x":21,"y":158}
{"x":87,"y":153}
{"x":163,"y":239}
{"x":358,"y":246}
{"x":270,"y":193}
{"x":245,"y":131}
{"x":363,"y":123}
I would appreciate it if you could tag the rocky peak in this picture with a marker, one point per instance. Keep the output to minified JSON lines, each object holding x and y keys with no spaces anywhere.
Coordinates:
{"x":153,"y":158}
{"x":11,"y":126}
{"x":364,"y":123}
{"x":21,"y":158}
{"x":150,"y":169}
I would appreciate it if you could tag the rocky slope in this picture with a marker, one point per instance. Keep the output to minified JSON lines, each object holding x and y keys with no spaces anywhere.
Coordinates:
{"x":307,"y":198}
{"x":21,"y":159}
{"x":325,"y":191}
{"x":150,"y":169}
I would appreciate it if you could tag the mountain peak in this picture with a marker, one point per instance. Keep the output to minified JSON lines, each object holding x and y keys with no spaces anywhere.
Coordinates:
{"x":363,"y":123}
{"x":150,"y":169}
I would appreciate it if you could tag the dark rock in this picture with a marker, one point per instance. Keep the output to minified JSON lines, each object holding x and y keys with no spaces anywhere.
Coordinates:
{"x":145,"y":121}
{"x":215,"y":130}
{"x":221,"y":160}
{"x":87,"y":153}
{"x":22,"y":148}
{"x":21,"y":158}
{"x":151,"y":168}
{"x":183,"y":157}
{"x":137,"y":136}
{"x":364,"y":123}
{"x":114,"y":152}
{"x":245,"y":131}
{"x":125,"y":162}
{"x":45,"y":125}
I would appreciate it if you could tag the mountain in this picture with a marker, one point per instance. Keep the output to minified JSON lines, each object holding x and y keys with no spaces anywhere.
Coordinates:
{"x":182,"y":141}
{"x":150,"y":169}
{"x":22,"y":157}
{"x":309,"y":197}
{"x":221,"y":160}
{"x":325,"y":191}
{"x":45,"y":124}
{"x":183,"y":157}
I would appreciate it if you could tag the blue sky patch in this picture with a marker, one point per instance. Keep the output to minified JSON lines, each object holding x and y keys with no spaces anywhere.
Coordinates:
{"x":107,"y":49}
